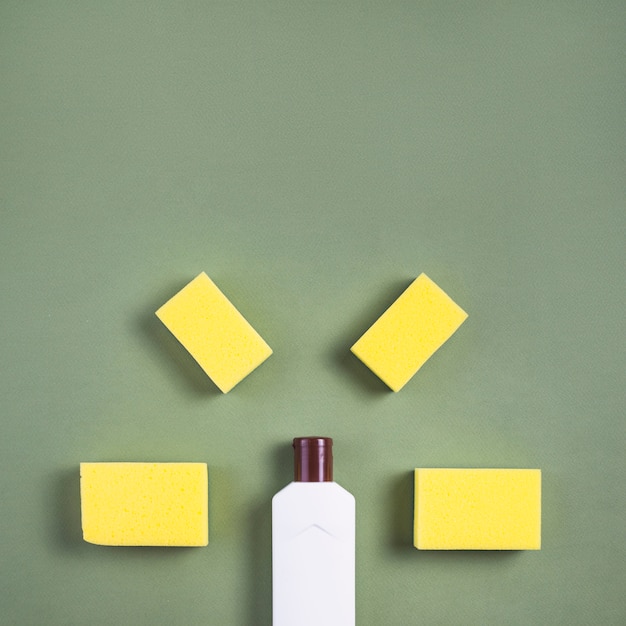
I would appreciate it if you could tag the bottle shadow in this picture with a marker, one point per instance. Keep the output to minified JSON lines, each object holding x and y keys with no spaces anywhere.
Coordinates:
{"x":260,"y":538}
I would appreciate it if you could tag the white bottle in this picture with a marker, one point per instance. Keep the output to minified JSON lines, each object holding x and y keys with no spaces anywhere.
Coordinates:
{"x":313,"y":543}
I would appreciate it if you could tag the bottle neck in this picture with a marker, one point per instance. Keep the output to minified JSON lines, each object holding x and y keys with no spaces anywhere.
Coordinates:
{"x":313,"y":459}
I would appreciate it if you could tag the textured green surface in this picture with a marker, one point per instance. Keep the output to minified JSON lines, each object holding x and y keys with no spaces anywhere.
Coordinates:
{"x":312,"y":158}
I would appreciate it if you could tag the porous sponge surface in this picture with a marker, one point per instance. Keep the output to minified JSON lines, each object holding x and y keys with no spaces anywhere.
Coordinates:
{"x":145,"y":504}
{"x":477,"y":509}
{"x":407,"y":334}
{"x":214,"y":332}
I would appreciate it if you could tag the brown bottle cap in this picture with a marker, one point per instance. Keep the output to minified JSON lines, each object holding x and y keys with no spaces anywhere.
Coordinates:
{"x":313,"y":459}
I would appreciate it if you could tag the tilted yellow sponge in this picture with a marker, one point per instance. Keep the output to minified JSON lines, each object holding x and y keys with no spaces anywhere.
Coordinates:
{"x":145,"y":504}
{"x":213,"y":331}
{"x":477,"y":509}
{"x":407,"y":334}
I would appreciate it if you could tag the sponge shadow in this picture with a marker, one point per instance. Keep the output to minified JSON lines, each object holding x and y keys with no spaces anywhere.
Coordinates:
{"x":402,"y":503}
{"x":66,"y":528}
{"x":343,"y":358}
{"x":169,"y":350}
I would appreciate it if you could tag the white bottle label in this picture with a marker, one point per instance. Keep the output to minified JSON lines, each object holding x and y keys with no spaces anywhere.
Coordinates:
{"x":313,"y":555}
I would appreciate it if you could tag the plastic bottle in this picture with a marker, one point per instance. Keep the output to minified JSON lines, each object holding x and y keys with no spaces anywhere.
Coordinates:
{"x":313,"y":543}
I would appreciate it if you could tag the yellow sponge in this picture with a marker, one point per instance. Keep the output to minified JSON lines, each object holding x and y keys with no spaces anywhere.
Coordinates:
{"x":213,"y":331}
{"x":477,"y":509}
{"x":407,"y":334}
{"x":145,"y":504}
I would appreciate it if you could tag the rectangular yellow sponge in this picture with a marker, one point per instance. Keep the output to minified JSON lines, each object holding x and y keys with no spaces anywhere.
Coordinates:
{"x":407,"y":334}
{"x":145,"y":504}
{"x":214,"y":332}
{"x":477,"y":509}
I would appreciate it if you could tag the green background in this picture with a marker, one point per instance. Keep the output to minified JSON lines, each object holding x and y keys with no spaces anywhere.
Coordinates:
{"x":313,"y":158}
